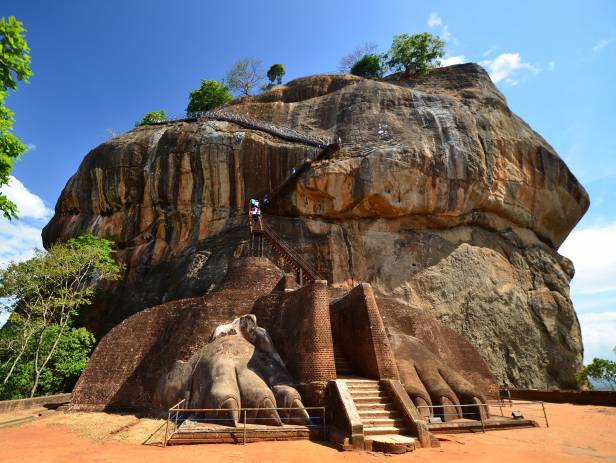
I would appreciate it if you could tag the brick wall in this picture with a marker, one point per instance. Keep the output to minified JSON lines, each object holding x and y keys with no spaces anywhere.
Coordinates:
{"x":359,"y":331}
{"x":299,"y":324}
{"x":128,"y":362}
{"x":573,"y":397}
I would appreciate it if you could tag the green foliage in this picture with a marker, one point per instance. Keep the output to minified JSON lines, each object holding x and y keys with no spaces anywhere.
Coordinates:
{"x":347,"y":61}
{"x":14,"y":66}
{"x":370,"y":66}
{"x":244,"y":76}
{"x":152,"y":117}
{"x":210,"y":95}
{"x":39,"y":348}
{"x":415,"y":53}
{"x":275,"y":74}
{"x":66,"y":364}
{"x":599,"y":370}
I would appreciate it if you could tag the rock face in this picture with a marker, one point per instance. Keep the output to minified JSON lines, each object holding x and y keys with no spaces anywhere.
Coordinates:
{"x":440,"y":197}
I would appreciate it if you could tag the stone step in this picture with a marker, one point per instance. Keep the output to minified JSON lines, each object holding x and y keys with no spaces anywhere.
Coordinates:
{"x":379,"y":413}
{"x":391,"y":443}
{"x":370,"y":407}
{"x":361,"y":386}
{"x":358,"y":393}
{"x":358,"y":381}
{"x":372,"y":400}
{"x":382,"y":422}
{"x":380,"y":430}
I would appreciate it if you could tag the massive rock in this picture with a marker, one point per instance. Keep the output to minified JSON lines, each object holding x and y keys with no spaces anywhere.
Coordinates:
{"x":440,"y":197}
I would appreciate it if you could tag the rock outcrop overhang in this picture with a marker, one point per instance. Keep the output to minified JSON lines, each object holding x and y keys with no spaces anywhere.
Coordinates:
{"x":440,"y":197}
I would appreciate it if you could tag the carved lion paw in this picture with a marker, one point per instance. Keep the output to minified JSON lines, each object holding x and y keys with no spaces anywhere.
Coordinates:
{"x":240,"y":369}
{"x":429,"y":382}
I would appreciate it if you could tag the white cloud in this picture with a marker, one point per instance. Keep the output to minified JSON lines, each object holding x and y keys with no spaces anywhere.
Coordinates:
{"x":434,"y":20}
{"x":507,"y":66}
{"x":551,"y":66}
{"x":18,"y":240}
{"x":593,"y":252}
{"x":31,"y":147}
{"x":451,"y":60}
{"x":489,"y":51}
{"x":601,"y":44}
{"x":598,"y":334}
{"x":29,"y":205}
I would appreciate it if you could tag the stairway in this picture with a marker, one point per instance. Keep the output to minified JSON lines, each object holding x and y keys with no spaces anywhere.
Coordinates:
{"x":376,"y":409}
{"x":343,"y":367}
{"x":305,"y":271}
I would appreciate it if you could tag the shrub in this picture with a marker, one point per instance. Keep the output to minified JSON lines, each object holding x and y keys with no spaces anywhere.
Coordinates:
{"x":369,"y":66}
{"x":210,"y":95}
{"x":151,"y":117}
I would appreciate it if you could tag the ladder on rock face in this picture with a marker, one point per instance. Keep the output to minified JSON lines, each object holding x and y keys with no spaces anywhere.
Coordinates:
{"x":262,"y":232}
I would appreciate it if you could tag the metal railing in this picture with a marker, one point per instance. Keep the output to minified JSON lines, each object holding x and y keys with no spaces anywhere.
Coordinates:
{"x":177,"y":416}
{"x":529,"y":407}
{"x":281,"y":131}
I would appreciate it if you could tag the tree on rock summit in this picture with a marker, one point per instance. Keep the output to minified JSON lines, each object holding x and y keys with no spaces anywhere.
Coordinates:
{"x":275,"y":75}
{"x":370,"y":66}
{"x":152,"y":117}
{"x":210,"y":95}
{"x":415,"y":53}
{"x":244,"y":76}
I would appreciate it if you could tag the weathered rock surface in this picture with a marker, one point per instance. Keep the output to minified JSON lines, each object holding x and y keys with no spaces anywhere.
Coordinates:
{"x":440,"y":197}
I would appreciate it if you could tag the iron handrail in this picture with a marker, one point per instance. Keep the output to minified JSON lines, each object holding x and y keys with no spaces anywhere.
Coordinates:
{"x":175,"y":430}
{"x":300,"y":261}
{"x":281,"y":131}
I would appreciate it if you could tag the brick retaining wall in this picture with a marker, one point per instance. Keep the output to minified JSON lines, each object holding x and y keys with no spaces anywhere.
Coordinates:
{"x":574,"y":397}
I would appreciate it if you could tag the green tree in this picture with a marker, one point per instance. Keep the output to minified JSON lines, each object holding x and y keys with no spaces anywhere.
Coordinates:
{"x":210,"y":95}
{"x":415,"y":53}
{"x":43,"y":295}
{"x":152,"y":117}
{"x":244,"y":76}
{"x":370,"y":66}
{"x":14,"y":66}
{"x":599,"y":370}
{"x":347,"y":61}
{"x":275,"y":74}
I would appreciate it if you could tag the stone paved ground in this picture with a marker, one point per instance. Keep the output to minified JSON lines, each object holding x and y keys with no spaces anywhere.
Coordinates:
{"x":577,"y":434}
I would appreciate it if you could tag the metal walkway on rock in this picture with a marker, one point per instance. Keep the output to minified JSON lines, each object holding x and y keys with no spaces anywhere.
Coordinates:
{"x":280,"y":131}
{"x":260,"y":231}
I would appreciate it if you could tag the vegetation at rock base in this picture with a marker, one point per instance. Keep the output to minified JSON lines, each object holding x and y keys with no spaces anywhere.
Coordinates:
{"x":14,"y":66}
{"x":370,"y":66}
{"x":40,"y":349}
{"x":154,"y":116}
{"x":347,"y":61}
{"x":244,"y":76}
{"x":275,"y":74}
{"x":210,"y":95}
{"x":600,"y":370}
{"x":415,"y":53}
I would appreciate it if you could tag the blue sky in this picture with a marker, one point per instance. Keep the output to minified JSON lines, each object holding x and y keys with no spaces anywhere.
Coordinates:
{"x":99,"y":66}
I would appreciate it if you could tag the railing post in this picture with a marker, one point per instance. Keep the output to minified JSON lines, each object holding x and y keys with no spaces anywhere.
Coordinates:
{"x":244,"y":427}
{"x":483,"y":428}
{"x":301,"y":277}
{"x":545,"y":415}
{"x":166,"y":429}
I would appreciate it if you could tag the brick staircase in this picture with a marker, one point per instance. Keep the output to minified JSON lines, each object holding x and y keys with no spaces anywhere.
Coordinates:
{"x":376,"y":409}
{"x":343,"y":367}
